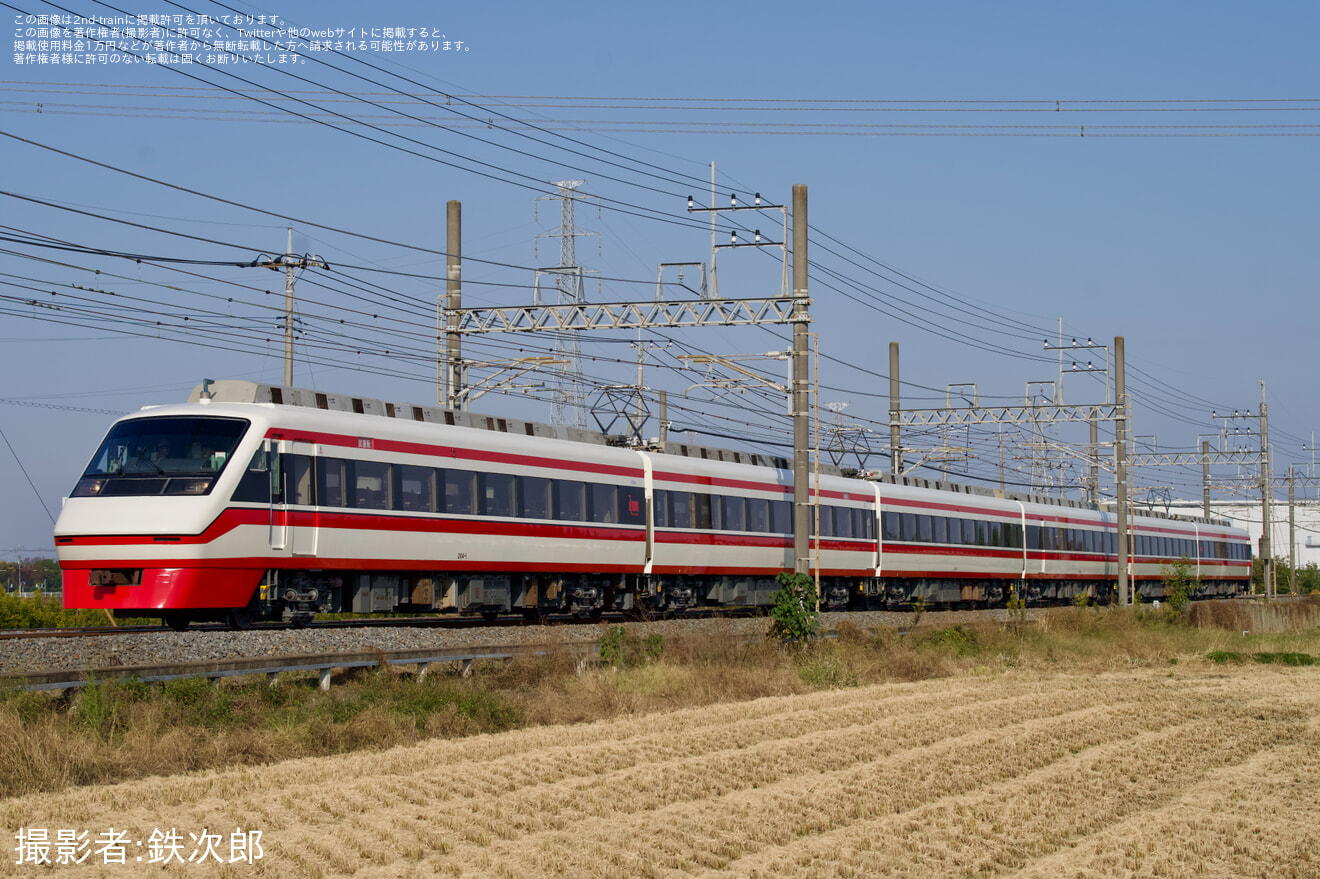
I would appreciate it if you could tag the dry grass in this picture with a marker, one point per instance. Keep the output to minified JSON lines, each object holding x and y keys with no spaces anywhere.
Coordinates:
{"x":1194,"y":772}
{"x":122,"y":732}
{"x":1089,"y":743}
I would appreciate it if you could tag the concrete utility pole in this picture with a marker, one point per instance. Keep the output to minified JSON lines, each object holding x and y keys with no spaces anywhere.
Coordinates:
{"x":801,"y":497}
{"x":1120,"y":463}
{"x":289,"y":262}
{"x":895,"y":435}
{"x":288,"y":313}
{"x":453,"y":301}
{"x":1205,"y":477}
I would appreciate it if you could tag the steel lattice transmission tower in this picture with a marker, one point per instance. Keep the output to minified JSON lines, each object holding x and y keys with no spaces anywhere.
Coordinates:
{"x":570,"y":398}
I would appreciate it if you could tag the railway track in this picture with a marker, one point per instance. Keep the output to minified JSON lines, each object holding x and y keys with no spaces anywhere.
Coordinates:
{"x":424,"y":622}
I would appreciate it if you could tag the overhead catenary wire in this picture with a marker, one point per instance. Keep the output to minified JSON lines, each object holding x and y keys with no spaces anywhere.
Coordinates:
{"x":1008,"y":351}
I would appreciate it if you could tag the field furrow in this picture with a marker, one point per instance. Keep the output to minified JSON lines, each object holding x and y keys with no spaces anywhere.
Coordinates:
{"x":1014,"y":775}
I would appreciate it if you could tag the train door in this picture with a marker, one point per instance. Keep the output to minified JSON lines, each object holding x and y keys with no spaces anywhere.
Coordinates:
{"x":294,"y":516}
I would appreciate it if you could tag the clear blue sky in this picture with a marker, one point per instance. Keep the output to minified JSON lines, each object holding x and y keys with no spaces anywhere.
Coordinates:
{"x":1184,"y":220}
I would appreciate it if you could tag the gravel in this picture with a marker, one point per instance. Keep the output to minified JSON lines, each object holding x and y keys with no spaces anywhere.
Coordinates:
{"x":31,"y":655}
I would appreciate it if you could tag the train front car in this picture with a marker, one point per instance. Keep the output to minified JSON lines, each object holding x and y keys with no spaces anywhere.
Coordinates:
{"x":145,"y":529}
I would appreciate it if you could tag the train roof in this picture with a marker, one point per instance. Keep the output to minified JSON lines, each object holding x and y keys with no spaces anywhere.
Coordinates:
{"x":238,"y":391}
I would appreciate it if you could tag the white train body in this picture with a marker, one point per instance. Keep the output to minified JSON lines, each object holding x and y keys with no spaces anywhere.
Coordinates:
{"x":236,"y":510}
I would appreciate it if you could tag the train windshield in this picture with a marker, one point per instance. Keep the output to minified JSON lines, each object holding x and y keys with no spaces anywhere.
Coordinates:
{"x":167,"y":455}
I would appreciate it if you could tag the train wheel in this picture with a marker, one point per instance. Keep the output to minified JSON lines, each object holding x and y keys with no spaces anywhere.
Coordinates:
{"x":179,"y":622}
{"x":241,"y":618}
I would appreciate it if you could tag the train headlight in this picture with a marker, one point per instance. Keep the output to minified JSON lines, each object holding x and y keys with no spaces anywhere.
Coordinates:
{"x":188,"y":486}
{"x":89,"y":487}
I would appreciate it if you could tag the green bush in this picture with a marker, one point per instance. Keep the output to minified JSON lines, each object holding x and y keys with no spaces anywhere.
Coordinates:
{"x":794,"y":617}
{"x":43,"y":612}
{"x":1179,"y":584}
{"x":1284,"y":658}
{"x":620,"y":649}
{"x":954,"y":638}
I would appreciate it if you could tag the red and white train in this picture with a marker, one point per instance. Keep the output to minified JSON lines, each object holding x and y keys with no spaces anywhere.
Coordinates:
{"x":263,"y":502}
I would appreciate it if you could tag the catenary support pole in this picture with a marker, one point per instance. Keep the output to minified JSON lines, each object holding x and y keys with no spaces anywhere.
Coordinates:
{"x":1267,"y":524}
{"x":895,"y":436}
{"x":1120,"y":462}
{"x":1292,"y":534}
{"x":801,"y":498}
{"x":1093,"y":482}
{"x":453,"y":302}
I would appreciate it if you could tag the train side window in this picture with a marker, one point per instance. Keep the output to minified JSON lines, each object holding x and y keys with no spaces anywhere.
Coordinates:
{"x":758,"y":514}
{"x":716,"y":512}
{"x":954,"y":529}
{"x":371,"y":485}
{"x":889,"y":526}
{"x":826,"y":521}
{"x":701,"y":511}
{"x":498,"y":494}
{"x":1033,"y":537}
{"x":907,"y":524}
{"x":939,"y":532}
{"x":460,"y":492}
{"x":843,"y":522}
{"x":535,"y":494}
{"x":631,"y":502}
{"x":660,"y":508}
{"x":924,"y":529}
{"x":414,"y":489}
{"x":298,"y":480}
{"x":996,"y":534}
{"x":781,"y":517}
{"x":254,"y":486}
{"x":680,"y":509}
{"x":330,"y":481}
{"x":1014,"y":535}
{"x":570,"y":500}
{"x":604,"y":503}
{"x":735,"y":513}
{"x":863,"y":524}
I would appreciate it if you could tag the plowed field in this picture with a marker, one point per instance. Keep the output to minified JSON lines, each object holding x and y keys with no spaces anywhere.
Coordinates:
{"x":1202,"y":772}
